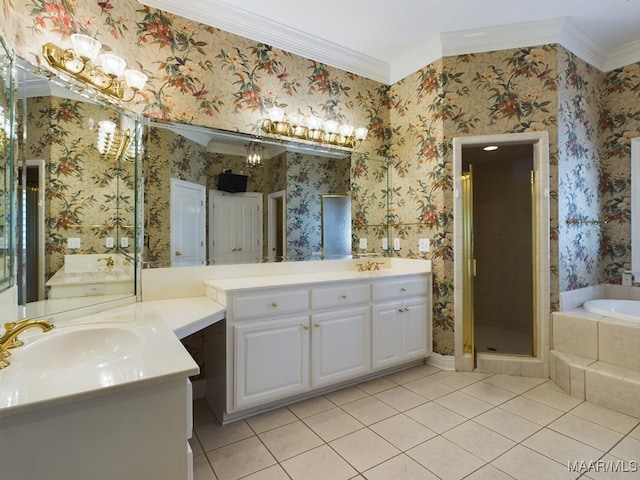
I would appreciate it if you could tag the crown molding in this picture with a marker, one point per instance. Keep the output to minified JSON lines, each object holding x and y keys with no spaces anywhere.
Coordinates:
{"x":229,"y":18}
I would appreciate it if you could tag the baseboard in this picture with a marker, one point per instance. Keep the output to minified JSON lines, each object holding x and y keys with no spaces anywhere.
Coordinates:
{"x":443,"y":362}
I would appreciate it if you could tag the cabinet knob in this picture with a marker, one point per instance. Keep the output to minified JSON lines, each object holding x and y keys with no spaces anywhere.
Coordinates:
{"x":178,"y":253}
{"x":343,"y":296}
{"x":317,"y":325}
{"x":306,"y":327}
{"x":274,"y":305}
{"x":403,"y":289}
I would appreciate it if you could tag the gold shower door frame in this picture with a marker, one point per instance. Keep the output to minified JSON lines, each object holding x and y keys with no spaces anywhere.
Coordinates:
{"x":469,"y":265}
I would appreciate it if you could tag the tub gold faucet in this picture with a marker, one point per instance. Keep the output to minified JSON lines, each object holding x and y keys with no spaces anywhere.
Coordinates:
{"x":9,"y":338}
{"x":109,"y":261}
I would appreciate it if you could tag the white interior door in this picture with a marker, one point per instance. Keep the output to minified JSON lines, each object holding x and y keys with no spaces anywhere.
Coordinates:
{"x":188,"y":220}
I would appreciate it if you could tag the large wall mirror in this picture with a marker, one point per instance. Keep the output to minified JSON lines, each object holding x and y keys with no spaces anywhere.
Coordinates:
{"x":6,"y":170}
{"x":76,"y":165}
{"x":207,"y":202}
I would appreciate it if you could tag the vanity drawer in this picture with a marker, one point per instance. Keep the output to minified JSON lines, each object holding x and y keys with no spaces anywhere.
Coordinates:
{"x":271,"y":302}
{"x":400,"y":288}
{"x":341,"y":295}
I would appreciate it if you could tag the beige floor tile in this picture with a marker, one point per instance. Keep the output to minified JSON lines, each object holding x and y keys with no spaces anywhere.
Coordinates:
{"x":627,"y":449}
{"x":401,"y":467}
{"x":478,"y":375}
{"x":435,"y":416}
{"x":453,"y":379}
{"x":610,"y":468}
{"x":489,"y":393}
{"x":464,"y":404}
{"x":401,"y":398}
{"x":402,"y":432}
{"x":201,"y":468}
{"x":428,"y":388}
{"x":213,"y":435}
{"x":364,"y":449}
{"x":523,"y":463}
{"x":240,"y":459}
{"x":321,"y":463}
{"x":607,"y":418}
{"x":270,"y":420}
{"x":635,"y":433}
{"x":444,"y":458}
{"x":369,"y":410}
{"x":404,"y":376}
{"x":507,"y":424}
{"x":196,"y":448}
{"x":489,"y":472}
{"x":376,"y":385}
{"x":587,"y":432}
{"x":310,"y":407}
{"x":346,"y":395}
{"x":561,"y":448}
{"x":332,"y":424}
{"x":532,"y":410}
{"x":552,"y":397}
{"x":290,"y":440}
{"x":425,"y":369}
{"x":275,"y":472}
{"x":514,"y":383}
{"x":479,"y":440}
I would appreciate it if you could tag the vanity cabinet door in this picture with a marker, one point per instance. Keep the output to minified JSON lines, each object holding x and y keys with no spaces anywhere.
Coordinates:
{"x":271,"y":360}
{"x":400,"y":332}
{"x":386,"y":335}
{"x":340,"y":345}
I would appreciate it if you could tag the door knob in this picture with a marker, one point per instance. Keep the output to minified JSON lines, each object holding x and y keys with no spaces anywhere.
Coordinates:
{"x":178,"y":253}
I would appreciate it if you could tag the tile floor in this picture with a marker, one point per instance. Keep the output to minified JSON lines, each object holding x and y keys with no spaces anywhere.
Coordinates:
{"x":424,"y":423}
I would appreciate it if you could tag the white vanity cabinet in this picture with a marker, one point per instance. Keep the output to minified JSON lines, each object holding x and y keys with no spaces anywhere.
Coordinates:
{"x":401,"y":321}
{"x":284,"y":340}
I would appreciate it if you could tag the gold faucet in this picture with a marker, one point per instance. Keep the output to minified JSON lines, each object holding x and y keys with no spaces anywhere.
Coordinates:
{"x":109,"y":261}
{"x":9,"y":338}
{"x":369,"y":266}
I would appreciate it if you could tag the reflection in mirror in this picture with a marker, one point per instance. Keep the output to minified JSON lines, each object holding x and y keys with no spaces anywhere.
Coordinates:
{"x":270,"y":212}
{"x":336,"y":226}
{"x":76,"y":197}
{"x":6,"y":170}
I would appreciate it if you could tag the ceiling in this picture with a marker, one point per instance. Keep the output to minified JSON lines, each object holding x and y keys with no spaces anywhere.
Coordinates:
{"x":386,"y":40}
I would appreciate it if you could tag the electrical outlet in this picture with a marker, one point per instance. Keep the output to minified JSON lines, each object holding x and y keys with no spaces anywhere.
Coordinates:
{"x":385,"y":243}
{"x":363,"y":244}
{"x":423,"y":244}
{"x":124,"y":242}
{"x":73,"y":243}
{"x":109,"y":243}
{"x":396,"y":244}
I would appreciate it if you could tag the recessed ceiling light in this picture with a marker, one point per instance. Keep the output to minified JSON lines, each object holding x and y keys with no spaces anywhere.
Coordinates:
{"x":490,"y":148}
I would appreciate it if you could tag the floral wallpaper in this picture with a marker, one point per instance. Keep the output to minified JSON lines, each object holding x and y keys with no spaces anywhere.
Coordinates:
{"x":86,"y":196}
{"x":205,"y":76}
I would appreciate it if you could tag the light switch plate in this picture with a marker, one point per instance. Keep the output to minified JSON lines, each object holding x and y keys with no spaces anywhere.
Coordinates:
{"x":124,"y":242}
{"x":109,"y":243}
{"x":423,"y":244}
{"x":73,"y":242}
{"x":385,"y":243}
{"x":396,"y":244}
{"x":363,"y":244}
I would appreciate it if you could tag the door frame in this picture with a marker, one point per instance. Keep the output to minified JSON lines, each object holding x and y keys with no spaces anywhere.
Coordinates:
{"x":528,"y":366}
{"x":272,"y":210}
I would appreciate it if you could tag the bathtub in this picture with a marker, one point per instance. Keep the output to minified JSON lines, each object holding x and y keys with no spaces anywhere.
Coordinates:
{"x":627,"y":310}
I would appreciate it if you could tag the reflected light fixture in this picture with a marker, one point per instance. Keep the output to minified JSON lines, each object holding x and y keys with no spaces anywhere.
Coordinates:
{"x":490,"y":148}
{"x":313,"y":128}
{"x":255,"y":155}
{"x":113,"y":143}
{"x":106,"y":72}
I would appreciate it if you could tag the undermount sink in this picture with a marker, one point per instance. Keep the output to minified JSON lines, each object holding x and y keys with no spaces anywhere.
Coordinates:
{"x":95,"y":344}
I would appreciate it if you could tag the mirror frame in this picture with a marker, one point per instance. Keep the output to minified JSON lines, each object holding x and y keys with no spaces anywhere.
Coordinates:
{"x":7,"y":145}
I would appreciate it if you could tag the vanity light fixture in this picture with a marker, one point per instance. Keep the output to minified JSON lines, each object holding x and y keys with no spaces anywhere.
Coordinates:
{"x":113,"y":142}
{"x":255,"y":154}
{"x":105,"y":77}
{"x":313,"y":128}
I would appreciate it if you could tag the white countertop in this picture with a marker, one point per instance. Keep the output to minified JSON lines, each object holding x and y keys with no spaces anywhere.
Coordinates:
{"x":25,"y":386}
{"x":246,"y":283}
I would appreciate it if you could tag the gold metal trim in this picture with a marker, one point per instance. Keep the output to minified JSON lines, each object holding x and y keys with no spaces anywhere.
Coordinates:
{"x":534,"y":261}
{"x":468,"y":262}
